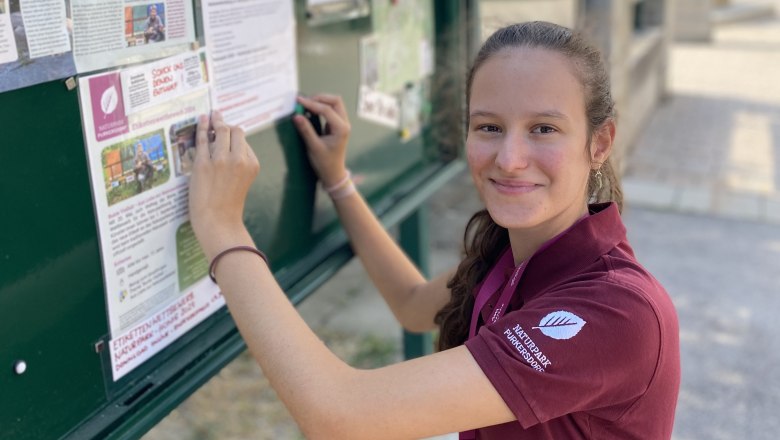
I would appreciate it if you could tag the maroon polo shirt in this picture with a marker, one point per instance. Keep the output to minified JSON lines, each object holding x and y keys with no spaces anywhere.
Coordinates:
{"x":589,"y":347}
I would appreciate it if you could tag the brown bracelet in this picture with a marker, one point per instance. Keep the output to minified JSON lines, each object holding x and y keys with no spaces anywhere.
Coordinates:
{"x":213,"y":264}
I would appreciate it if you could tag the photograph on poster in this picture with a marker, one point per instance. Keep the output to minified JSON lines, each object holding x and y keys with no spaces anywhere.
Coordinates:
{"x":145,"y":24}
{"x":35,"y":43}
{"x":182,"y":139}
{"x":134,"y":165}
{"x":192,"y":265}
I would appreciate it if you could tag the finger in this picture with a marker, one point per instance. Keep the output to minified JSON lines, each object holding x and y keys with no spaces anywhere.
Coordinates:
{"x":237,"y":142}
{"x":202,"y":139}
{"x":310,"y":136}
{"x":334,"y":101}
{"x":221,"y":135}
{"x":324,"y":110}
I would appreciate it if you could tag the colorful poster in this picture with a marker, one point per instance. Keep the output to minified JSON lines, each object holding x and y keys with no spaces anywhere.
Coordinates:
{"x":139,"y":127}
{"x":252,"y":60}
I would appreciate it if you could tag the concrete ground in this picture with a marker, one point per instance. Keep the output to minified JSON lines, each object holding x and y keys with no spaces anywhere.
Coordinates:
{"x":703,"y":214}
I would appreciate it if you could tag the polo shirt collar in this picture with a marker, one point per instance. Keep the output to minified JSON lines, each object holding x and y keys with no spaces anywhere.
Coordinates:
{"x":579,"y":247}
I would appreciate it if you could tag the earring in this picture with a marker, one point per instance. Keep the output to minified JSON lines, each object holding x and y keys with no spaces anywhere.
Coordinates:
{"x":598,"y":179}
{"x":598,"y":176}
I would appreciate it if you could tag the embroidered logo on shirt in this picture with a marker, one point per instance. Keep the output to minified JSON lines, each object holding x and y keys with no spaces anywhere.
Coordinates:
{"x":561,"y":325}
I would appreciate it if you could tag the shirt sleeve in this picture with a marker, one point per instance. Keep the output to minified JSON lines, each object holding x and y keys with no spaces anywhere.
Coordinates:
{"x":588,"y":346}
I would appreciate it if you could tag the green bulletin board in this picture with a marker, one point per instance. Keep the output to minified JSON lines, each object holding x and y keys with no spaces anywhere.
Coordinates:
{"x":52,"y":300}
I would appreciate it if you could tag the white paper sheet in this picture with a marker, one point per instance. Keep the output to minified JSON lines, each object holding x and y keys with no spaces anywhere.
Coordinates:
{"x":252,"y":60}
{"x":8,"y":51}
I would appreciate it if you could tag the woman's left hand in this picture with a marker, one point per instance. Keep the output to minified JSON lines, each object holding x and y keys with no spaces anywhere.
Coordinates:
{"x":221,"y":177}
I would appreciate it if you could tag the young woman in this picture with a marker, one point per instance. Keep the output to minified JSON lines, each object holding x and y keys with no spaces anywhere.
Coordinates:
{"x":550,"y":329}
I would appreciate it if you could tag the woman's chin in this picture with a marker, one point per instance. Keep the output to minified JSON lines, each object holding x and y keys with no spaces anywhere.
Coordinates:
{"x":515,"y":218}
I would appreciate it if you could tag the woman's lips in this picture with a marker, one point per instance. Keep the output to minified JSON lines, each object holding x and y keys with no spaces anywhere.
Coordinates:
{"x":505,"y":186}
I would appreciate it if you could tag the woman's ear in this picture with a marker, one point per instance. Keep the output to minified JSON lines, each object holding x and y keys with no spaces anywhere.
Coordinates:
{"x":601,"y":142}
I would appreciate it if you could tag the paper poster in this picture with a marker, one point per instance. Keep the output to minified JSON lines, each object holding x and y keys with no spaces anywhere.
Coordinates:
{"x":139,"y":128}
{"x":404,"y":29}
{"x":252,"y":60}
{"x":379,"y":107}
{"x":374,"y":105}
{"x":35,"y":43}
{"x":44,"y":40}
{"x":8,"y":51}
{"x":111,"y":33}
{"x":395,"y":62}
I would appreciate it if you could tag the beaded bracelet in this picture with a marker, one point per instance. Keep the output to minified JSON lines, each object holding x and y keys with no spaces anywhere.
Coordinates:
{"x":213,"y":265}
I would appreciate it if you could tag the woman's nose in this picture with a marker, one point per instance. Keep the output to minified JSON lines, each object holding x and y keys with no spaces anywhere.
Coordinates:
{"x":513,"y":153}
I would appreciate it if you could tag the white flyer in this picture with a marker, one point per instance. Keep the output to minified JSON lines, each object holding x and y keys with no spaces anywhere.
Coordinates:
{"x":110,"y":33}
{"x":156,"y":281}
{"x":46,"y":24}
{"x":8,"y":51}
{"x":252,"y":59}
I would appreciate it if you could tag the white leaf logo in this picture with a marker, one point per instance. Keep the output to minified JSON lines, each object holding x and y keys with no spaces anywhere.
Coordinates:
{"x":109,"y":100}
{"x":561,"y":325}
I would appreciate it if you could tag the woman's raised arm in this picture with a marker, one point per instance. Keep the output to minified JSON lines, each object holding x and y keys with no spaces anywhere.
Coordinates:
{"x":413,"y":300}
{"x":441,"y":393}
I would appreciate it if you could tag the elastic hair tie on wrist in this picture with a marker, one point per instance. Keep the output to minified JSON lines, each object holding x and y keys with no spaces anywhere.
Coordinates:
{"x":344,"y":188}
{"x":339,"y":184}
{"x":213,"y":265}
{"x":344,"y":192}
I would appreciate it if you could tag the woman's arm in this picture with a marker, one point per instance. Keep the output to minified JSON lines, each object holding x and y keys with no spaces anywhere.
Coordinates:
{"x":413,"y":300}
{"x":445,"y":392}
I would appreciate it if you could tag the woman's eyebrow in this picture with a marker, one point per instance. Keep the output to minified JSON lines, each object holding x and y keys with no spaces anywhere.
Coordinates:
{"x":554,"y":114}
{"x":551,"y":114}
{"x":482,"y":113}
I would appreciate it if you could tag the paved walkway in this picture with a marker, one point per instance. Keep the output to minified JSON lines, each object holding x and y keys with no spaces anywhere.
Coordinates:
{"x":714,"y":146}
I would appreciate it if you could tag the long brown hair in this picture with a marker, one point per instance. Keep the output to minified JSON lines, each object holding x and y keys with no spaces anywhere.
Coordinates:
{"x":484,"y":239}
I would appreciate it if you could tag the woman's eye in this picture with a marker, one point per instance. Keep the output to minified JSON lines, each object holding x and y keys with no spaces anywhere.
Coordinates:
{"x":543,"y":129}
{"x":488,"y":128}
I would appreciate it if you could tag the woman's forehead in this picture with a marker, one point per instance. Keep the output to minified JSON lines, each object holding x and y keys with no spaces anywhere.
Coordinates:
{"x":535,"y":79}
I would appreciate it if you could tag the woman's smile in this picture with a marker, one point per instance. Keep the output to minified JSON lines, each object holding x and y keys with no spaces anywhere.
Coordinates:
{"x":514,"y":187}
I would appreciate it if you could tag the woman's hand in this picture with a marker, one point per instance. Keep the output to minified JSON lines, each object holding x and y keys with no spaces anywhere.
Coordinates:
{"x":221,"y":176}
{"x":327,"y":153}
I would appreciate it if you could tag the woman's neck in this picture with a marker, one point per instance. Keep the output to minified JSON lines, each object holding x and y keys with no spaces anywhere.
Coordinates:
{"x":526,"y":241}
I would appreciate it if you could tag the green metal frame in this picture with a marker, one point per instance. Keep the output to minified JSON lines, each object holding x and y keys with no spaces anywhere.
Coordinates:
{"x":414,"y":240}
{"x":50,"y":273}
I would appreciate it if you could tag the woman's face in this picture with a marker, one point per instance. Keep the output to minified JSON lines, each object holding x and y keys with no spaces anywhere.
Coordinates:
{"x":527,"y":136}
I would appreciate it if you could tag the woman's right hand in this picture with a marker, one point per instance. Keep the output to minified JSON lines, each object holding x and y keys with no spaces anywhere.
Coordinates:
{"x":327,"y":152}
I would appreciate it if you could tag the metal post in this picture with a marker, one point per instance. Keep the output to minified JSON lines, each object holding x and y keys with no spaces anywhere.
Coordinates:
{"x":414,"y":241}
